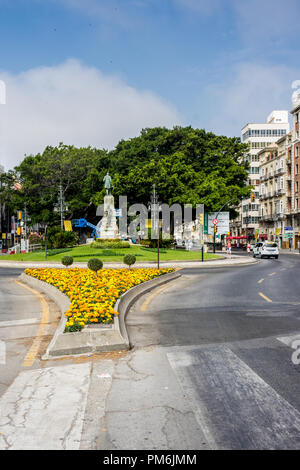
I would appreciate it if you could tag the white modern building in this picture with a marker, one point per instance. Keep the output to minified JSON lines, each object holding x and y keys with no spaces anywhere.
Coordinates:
{"x":258,"y":136}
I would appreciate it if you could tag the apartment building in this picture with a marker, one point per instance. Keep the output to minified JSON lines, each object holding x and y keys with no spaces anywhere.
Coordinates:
{"x":258,"y":136}
{"x":294,"y":152}
{"x":275,"y":190}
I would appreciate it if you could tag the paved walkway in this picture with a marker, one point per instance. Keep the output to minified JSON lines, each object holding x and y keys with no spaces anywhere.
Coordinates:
{"x":235,"y":260}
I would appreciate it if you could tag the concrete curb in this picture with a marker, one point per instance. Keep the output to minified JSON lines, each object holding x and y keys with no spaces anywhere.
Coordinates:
{"x":61,"y":300}
{"x":236,"y":260}
{"x":126,"y":300}
{"x":93,"y":338}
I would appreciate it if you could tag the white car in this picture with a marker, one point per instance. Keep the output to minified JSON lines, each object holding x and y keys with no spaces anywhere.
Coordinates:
{"x":266,"y":250}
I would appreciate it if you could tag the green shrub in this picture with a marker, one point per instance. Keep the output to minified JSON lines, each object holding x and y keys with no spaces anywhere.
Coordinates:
{"x":114,"y":243}
{"x":145,"y":243}
{"x":107,"y":240}
{"x":168,"y":243}
{"x":57,"y":238}
{"x":129,"y":260}
{"x":110,"y":244}
{"x":67,"y":260}
{"x":95,"y":264}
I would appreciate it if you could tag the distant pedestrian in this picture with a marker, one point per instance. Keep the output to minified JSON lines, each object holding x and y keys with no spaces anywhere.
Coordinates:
{"x":229,"y":249}
{"x":248,"y":248}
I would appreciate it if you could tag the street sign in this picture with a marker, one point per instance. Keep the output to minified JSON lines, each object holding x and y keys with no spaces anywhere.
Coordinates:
{"x":222,"y":222}
{"x":215,"y":221}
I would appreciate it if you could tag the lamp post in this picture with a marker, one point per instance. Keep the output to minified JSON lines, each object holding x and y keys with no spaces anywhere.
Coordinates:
{"x":154,"y":206}
{"x":61,"y":206}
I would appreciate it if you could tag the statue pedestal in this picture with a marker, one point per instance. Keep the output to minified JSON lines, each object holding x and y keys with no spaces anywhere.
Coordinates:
{"x":109,"y":228}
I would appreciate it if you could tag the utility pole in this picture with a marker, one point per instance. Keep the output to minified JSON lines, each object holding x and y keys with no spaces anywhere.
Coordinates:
{"x":154,"y":206}
{"x":61,"y":206}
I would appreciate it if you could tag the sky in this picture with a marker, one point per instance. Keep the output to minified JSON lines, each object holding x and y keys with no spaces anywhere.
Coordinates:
{"x":93,"y":72}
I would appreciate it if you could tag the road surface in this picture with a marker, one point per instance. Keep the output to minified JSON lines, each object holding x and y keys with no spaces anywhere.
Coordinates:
{"x":224,"y":378}
{"x":20,"y":317}
{"x":211,"y":368}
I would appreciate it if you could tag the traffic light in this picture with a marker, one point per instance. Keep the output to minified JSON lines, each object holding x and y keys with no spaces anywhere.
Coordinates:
{"x":215,"y":228}
{"x":252,"y":197}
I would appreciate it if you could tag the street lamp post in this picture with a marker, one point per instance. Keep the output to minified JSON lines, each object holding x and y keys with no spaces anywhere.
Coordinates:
{"x":61,"y":206}
{"x":154,"y":206}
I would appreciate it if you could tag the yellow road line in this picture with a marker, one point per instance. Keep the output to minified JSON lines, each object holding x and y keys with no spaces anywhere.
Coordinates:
{"x":155,"y":293}
{"x":272,"y":274}
{"x":33,"y":351}
{"x":264,"y":297}
{"x":260,"y":281}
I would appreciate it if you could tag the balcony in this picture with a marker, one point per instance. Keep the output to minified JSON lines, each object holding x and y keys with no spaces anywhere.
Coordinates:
{"x":279,"y":192}
{"x":266,"y":218}
{"x":279,"y":171}
{"x":271,"y":174}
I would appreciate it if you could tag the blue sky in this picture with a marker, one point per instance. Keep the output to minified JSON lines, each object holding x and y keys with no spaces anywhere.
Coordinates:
{"x":127,"y":64}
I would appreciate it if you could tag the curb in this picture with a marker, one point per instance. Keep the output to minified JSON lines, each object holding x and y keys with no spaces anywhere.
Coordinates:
{"x":179,"y":264}
{"x":93,"y":339}
{"x":125,"y":302}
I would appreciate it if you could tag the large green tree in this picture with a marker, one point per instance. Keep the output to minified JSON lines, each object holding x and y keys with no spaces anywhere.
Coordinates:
{"x":79,"y":171}
{"x":188,"y":166}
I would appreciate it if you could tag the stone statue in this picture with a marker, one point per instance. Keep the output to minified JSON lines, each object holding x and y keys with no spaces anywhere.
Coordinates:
{"x":107,"y":183}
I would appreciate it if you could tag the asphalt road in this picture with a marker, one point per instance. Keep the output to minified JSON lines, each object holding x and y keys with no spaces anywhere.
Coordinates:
{"x":20,"y":316}
{"x":211,"y":368}
{"x":227,"y":336}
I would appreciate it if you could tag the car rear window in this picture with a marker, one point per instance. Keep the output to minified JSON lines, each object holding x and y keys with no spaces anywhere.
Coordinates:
{"x":272,"y":245}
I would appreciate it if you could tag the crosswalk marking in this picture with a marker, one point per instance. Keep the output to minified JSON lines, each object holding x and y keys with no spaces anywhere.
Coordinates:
{"x":289,"y":340}
{"x":240,"y":410}
{"x":2,"y":353}
{"x":26,"y":321}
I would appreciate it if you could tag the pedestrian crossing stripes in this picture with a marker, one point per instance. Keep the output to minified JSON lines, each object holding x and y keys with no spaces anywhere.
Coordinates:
{"x":238,"y":408}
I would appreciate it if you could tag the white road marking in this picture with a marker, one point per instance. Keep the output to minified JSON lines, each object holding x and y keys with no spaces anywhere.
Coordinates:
{"x":44,"y":408}
{"x":260,"y":281}
{"x":2,"y":353}
{"x":238,"y":409}
{"x":288,"y":340}
{"x":272,"y":274}
{"x":26,"y":321}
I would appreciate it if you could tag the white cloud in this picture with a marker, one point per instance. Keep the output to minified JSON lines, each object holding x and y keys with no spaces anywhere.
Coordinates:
{"x":74,"y":104}
{"x":254,"y":91}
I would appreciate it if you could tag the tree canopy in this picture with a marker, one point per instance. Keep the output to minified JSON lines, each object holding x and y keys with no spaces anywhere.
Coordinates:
{"x":188,"y":166}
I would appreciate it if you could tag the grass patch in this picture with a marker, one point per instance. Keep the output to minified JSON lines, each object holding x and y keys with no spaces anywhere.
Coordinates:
{"x":85,"y":252}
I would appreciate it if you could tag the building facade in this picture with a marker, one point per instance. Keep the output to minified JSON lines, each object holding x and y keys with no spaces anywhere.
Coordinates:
{"x":275,"y":190}
{"x":294,"y":151}
{"x":258,"y":136}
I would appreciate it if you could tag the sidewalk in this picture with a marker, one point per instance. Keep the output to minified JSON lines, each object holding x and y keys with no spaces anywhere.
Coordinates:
{"x":235,"y":260}
{"x":289,"y":252}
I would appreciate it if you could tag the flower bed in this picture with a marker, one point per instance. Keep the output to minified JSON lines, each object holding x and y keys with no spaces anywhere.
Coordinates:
{"x":93,"y":297}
